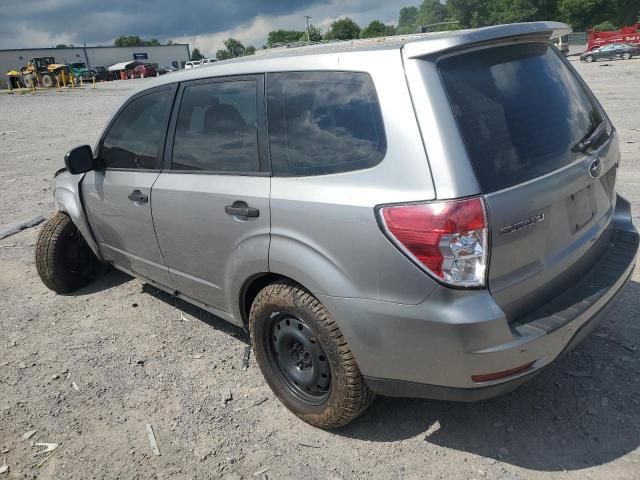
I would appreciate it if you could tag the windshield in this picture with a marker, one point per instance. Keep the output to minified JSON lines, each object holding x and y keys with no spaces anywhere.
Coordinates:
{"x":520,"y":109}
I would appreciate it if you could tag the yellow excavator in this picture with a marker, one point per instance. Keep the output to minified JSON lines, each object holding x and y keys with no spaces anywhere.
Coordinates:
{"x":44,"y":71}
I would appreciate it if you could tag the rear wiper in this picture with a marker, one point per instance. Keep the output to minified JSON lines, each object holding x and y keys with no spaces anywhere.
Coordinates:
{"x":590,"y":138}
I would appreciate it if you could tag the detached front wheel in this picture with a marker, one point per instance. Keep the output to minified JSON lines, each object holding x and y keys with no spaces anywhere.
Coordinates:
{"x":63,"y":259}
{"x":305,"y":358}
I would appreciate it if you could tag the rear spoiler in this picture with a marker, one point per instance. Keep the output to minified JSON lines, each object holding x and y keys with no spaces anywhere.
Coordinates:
{"x":439,"y":42}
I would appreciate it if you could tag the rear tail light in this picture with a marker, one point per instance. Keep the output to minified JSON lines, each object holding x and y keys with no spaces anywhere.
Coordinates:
{"x":449,"y":239}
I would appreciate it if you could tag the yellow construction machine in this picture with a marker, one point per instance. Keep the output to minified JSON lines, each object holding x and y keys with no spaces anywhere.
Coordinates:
{"x":45,"y":72}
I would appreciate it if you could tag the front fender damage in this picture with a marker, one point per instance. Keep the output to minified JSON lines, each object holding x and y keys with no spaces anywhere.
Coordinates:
{"x":68,"y":199}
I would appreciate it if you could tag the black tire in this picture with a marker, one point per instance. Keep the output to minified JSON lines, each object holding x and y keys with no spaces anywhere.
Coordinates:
{"x":626,"y":56}
{"x":48,"y":81}
{"x":28,"y":81}
{"x":589,"y":58}
{"x":342,"y":393}
{"x":64,"y":261}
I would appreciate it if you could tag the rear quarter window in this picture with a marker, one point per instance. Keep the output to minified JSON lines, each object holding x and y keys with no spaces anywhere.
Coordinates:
{"x":520,"y":110}
{"x":323,"y":122}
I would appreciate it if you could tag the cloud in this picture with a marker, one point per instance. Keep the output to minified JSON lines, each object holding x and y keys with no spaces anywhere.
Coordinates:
{"x":254,"y":32}
{"x":204,"y":23}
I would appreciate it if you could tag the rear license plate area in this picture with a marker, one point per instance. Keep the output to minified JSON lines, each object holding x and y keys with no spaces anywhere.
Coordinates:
{"x":581,"y":207}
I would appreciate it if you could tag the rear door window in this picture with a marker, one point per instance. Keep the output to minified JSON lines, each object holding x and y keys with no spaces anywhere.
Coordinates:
{"x":323,"y":122}
{"x":520,"y":109}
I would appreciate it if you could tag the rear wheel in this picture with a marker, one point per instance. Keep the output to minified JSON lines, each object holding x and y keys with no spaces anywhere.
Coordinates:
{"x":63,"y":259}
{"x":305,"y":358}
{"x":626,"y":56}
{"x":589,"y":58}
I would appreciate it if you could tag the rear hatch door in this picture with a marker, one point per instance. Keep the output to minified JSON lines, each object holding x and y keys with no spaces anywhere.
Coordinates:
{"x":545,"y":157}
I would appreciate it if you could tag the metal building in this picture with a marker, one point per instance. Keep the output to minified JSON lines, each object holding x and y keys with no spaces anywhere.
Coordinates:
{"x":175,"y":55}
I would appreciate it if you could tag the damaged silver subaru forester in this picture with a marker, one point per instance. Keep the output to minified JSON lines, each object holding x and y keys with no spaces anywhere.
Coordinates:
{"x":431,"y":215}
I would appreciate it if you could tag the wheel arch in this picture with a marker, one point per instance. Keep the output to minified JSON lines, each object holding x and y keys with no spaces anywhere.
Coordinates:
{"x":67,"y":198}
{"x":250,"y":290}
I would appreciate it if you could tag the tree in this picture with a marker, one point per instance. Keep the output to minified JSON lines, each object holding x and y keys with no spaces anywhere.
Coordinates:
{"x":128,"y":41}
{"x":280,"y":37}
{"x":604,"y":27}
{"x":62,"y":45}
{"x":581,"y":14}
{"x":196,"y":55}
{"x":134,"y":41}
{"x":470,"y":13}
{"x":234,"y":48}
{"x":431,"y":11}
{"x":408,"y":17}
{"x":343,"y":29}
{"x":511,"y":11}
{"x":376,"y":29}
{"x":315,"y":35}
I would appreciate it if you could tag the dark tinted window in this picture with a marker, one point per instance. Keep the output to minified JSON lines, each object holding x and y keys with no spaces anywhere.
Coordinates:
{"x":323,"y":122}
{"x":135,"y":139}
{"x":217,"y":128}
{"x":520,"y":110}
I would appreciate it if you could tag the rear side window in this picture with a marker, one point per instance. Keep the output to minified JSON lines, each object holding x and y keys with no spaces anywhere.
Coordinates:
{"x":216,"y":129}
{"x":520,"y":110}
{"x":135,"y":138}
{"x":323,"y":122}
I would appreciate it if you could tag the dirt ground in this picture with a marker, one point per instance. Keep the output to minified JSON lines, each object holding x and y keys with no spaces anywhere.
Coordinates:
{"x":89,"y":371}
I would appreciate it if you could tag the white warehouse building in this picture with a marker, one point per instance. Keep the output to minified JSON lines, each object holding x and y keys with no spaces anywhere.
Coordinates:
{"x":175,"y":55}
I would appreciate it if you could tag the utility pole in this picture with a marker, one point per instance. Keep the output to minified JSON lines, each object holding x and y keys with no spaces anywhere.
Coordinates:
{"x":307,"y":17}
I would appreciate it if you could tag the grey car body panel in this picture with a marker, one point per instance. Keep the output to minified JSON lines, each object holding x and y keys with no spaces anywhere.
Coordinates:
{"x":308,"y":211}
{"x":530,"y":264}
{"x":454,"y":334}
{"x":321,"y":231}
{"x":124,"y":229}
{"x":207,"y":250}
{"x":66,"y":192}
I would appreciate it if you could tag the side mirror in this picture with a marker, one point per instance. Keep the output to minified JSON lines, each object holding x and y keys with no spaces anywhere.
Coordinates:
{"x":79,"y":160}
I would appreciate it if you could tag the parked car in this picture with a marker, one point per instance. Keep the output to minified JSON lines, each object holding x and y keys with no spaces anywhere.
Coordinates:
{"x":624,"y":51}
{"x":143,"y":70}
{"x":80,"y":71}
{"x":164,"y":69}
{"x":562,"y":43}
{"x":101,"y":74}
{"x":207,"y":61}
{"x":192,"y":63}
{"x":433,"y":217}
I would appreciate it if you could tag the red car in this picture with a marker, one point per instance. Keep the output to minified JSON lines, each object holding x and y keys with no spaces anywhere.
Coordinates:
{"x":142,"y":71}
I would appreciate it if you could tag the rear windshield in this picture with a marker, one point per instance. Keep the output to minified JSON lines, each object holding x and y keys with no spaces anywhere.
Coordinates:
{"x":520,"y":110}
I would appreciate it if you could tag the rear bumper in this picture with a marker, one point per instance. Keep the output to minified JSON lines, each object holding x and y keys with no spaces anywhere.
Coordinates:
{"x":433,"y":349}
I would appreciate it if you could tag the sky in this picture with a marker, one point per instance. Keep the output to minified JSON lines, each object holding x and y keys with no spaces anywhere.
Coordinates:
{"x":201,"y":23}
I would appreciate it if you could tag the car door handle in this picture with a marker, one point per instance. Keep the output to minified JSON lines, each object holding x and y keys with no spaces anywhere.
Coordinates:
{"x":138,"y":196}
{"x":241,"y":209}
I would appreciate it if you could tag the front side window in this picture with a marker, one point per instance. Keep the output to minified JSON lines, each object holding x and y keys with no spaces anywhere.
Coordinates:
{"x":323,"y":122}
{"x":216,"y":129}
{"x":135,"y":138}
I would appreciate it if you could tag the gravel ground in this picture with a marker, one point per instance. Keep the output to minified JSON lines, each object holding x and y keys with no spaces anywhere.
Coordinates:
{"x":91,"y":370}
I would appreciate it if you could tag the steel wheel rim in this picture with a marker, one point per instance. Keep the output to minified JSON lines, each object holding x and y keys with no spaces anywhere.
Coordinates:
{"x":298,"y":359}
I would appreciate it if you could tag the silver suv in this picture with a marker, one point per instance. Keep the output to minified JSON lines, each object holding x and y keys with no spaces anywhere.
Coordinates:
{"x":428,"y":216}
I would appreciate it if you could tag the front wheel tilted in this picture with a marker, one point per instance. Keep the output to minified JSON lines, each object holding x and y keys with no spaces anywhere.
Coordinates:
{"x":305,"y":358}
{"x":63,"y":259}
